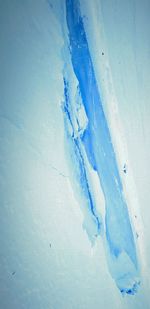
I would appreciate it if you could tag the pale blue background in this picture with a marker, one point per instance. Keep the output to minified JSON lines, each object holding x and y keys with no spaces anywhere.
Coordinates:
{"x":37,"y":206}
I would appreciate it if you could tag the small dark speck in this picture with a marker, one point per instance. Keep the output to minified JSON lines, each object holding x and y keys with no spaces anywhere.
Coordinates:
{"x":102,"y":53}
{"x":50,"y":245}
{"x":13,"y":273}
{"x":125,"y":168}
{"x":137,"y":235}
{"x":129,"y":291}
{"x":135,"y":216}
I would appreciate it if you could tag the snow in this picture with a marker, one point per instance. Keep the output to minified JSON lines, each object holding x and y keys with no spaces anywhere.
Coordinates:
{"x":46,"y":259}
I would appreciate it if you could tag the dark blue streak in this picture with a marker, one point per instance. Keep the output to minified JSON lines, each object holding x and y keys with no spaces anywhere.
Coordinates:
{"x":122,"y":259}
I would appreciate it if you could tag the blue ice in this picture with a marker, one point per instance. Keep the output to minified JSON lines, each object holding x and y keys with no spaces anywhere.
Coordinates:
{"x":96,"y":141}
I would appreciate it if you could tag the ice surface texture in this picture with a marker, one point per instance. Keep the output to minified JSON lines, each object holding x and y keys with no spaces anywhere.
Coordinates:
{"x":90,"y":144}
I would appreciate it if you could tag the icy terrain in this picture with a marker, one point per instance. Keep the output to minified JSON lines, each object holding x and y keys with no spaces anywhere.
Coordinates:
{"x":46,"y":257}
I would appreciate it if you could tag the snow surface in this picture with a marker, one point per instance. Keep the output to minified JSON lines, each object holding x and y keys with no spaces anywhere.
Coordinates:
{"x":46,"y":259}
